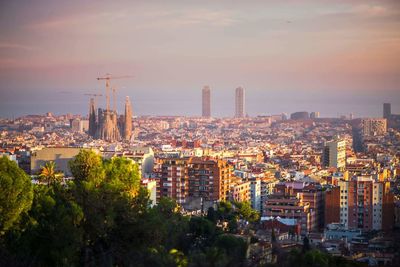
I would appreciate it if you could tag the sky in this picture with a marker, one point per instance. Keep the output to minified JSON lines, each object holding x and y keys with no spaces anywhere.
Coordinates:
{"x":335,"y":57}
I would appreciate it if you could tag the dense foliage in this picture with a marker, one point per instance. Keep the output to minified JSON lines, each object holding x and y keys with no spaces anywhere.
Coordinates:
{"x":104,"y":218}
{"x":314,"y":258}
{"x":48,"y":174}
{"x":15,"y":194}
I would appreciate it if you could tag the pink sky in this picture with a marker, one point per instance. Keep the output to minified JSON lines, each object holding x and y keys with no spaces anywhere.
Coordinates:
{"x":263,"y":45}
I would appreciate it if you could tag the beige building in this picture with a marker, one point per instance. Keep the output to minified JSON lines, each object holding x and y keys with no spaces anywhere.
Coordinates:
{"x":374,"y":126}
{"x":78,"y":125}
{"x":144,"y":157}
{"x":335,"y":153}
{"x":151,"y":186}
{"x":241,"y":192}
{"x":60,"y":155}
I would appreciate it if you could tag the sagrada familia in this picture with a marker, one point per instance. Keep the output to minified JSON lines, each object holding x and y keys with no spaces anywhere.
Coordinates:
{"x":105,"y":124}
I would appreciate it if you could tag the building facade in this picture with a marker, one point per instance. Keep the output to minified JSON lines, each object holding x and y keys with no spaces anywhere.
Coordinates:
{"x":335,"y":153}
{"x":194,"y":178}
{"x":60,"y":155}
{"x":363,"y":203}
{"x":307,"y":193}
{"x":374,"y":126}
{"x":209,"y":178}
{"x":174,"y":179}
{"x":289,"y":207}
{"x":241,"y":192}
{"x":314,"y":115}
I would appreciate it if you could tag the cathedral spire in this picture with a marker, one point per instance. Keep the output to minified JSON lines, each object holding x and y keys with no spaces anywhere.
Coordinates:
{"x":92,"y":118}
{"x":128,"y":119}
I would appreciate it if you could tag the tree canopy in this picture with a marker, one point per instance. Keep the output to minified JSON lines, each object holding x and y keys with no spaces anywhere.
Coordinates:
{"x":15,"y":193}
{"x":49,"y":175}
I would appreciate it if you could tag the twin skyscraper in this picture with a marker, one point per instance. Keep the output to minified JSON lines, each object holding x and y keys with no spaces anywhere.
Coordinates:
{"x":239,"y":102}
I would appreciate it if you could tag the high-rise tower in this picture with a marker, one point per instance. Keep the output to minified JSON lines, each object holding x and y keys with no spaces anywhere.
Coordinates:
{"x":128,"y":119}
{"x":206,"y":93}
{"x":387,"y":110}
{"x":239,"y":102}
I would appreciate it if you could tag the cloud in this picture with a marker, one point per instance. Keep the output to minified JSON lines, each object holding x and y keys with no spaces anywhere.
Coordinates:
{"x":371,"y":10}
{"x":11,"y":45}
{"x":76,"y":20}
{"x":207,"y":17}
{"x":139,"y":19}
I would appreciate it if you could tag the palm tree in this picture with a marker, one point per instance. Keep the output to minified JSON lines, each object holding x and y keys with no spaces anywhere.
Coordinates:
{"x":49,"y":175}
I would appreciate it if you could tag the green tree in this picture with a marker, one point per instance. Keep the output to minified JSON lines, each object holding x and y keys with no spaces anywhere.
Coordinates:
{"x":87,"y":166}
{"x":52,"y":236}
{"x":172,"y":225}
{"x":48,"y":174}
{"x":119,"y":227}
{"x":15,"y":193}
{"x":201,"y":227}
{"x":211,"y":257}
{"x":225,"y":211}
{"x":123,"y":174}
{"x":234,"y":247}
{"x":245,"y":211}
{"x":316,"y":258}
{"x":233,"y":225}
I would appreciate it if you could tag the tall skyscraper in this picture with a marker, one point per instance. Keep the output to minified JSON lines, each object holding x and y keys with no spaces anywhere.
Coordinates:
{"x":239,"y":102}
{"x":128,"y":119}
{"x":387,"y":110}
{"x":335,"y":153}
{"x":206,"y":93}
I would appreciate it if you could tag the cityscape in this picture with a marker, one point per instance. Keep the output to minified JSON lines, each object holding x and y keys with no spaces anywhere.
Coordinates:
{"x":212,"y":172}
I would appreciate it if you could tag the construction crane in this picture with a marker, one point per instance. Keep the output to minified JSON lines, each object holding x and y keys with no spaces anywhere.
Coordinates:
{"x":94,"y":96}
{"x":107,"y":78}
{"x":114,"y":104}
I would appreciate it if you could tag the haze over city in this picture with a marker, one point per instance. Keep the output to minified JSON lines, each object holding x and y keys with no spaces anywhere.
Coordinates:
{"x":336,"y":57}
{"x":260,"y":133}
